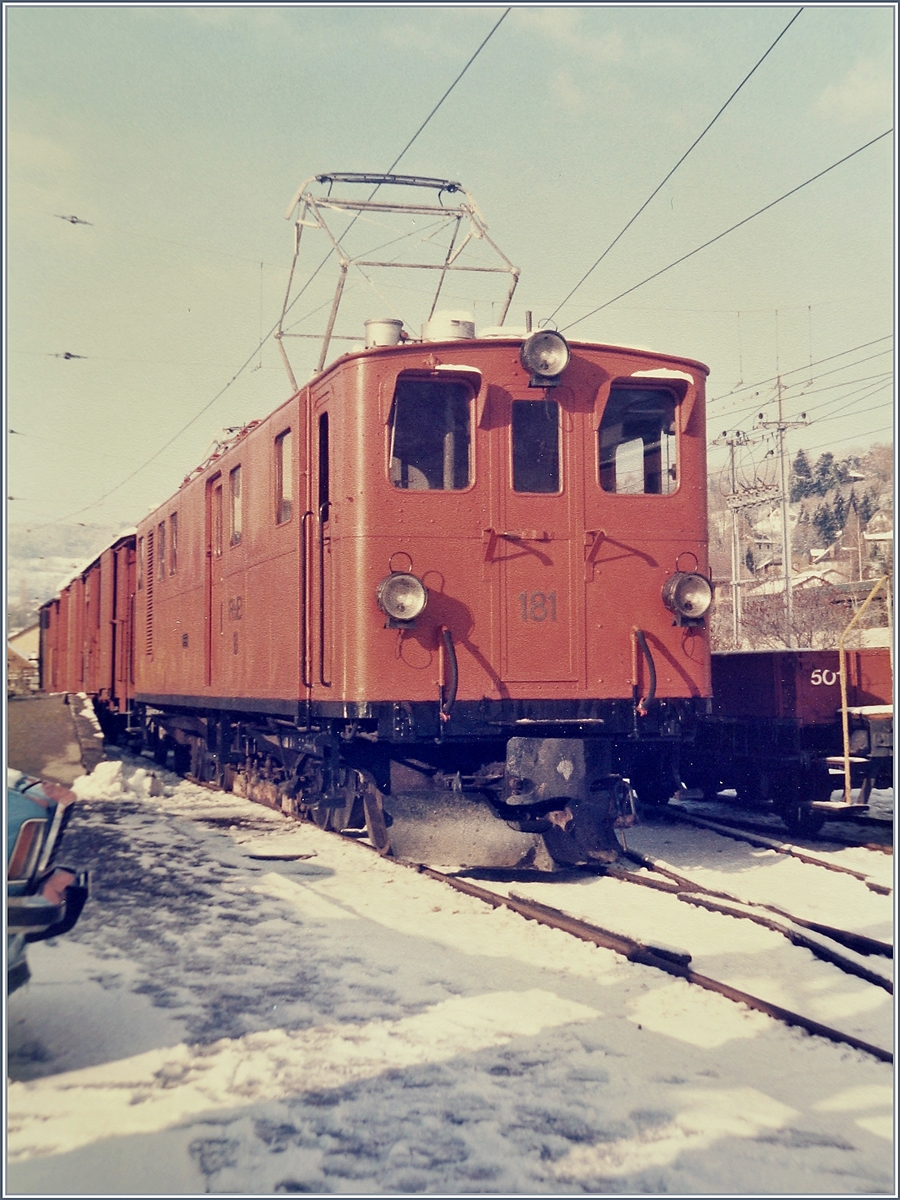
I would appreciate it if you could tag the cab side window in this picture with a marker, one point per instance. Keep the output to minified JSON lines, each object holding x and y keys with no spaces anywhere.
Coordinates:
{"x":173,"y":543}
{"x":234,"y":490}
{"x":535,"y":446}
{"x":431,"y":435}
{"x":637,"y":443}
{"x":284,"y":487}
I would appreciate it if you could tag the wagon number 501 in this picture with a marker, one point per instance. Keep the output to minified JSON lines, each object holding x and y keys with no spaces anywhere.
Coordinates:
{"x":826,"y":677}
{"x":538,"y":606}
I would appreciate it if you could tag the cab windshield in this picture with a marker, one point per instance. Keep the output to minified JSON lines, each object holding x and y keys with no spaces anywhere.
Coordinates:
{"x":637,"y":442}
{"x":431,"y":435}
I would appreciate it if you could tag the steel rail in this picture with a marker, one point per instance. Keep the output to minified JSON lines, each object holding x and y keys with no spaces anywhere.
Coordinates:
{"x":845,"y":818}
{"x":652,"y":956}
{"x":858,"y":942}
{"x":729,"y":906}
{"x":768,"y":843}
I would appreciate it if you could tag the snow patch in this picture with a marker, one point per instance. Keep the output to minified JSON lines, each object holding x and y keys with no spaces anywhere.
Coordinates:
{"x":108,"y":781}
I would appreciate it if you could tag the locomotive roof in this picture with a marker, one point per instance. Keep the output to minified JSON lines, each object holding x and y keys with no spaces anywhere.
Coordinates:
{"x":466,"y":345}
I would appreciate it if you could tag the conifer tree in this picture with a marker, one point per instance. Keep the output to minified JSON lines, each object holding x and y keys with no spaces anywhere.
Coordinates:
{"x":801,"y":482}
{"x":825,"y":475}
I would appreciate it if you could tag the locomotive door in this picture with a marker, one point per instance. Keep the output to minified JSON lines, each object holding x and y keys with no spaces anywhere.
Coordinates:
{"x":215,"y":584}
{"x":531,"y":546}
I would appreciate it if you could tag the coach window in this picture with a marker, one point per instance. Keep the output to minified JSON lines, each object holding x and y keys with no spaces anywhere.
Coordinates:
{"x":431,"y":435}
{"x":236,"y":510}
{"x":535,"y":445}
{"x":217,"y":519}
{"x":324,"y":493}
{"x":636,"y":442}
{"x":173,"y":543}
{"x":283,"y":482}
{"x":161,"y":551}
{"x":140,"y":568}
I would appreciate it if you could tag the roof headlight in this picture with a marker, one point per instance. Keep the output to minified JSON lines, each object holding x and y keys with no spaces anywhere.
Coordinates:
{"x":401,"y":596}
{"x":687,"y":594}
{"x":545,"y":355}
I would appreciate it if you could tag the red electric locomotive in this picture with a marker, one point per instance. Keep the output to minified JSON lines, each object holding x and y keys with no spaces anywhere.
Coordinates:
{"x":454,"y":589}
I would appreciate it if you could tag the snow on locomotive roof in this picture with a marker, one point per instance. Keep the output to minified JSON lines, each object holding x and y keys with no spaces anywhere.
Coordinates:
{"x":662,"y":373}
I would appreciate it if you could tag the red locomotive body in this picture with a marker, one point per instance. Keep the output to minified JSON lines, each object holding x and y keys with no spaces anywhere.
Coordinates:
{"x":268,"y":591}
{"x":542,"y":528}
{"x":451,"y":584}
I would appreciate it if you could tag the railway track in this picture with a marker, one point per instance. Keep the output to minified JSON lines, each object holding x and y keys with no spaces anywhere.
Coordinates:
{"x":741,"y":832}
{"x":877,"y":827}
{"x":841,"y":948}
{"x":648,"y":954}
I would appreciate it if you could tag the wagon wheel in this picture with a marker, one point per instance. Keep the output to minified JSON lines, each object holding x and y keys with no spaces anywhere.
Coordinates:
{"x":801,"y":819}
{"x":376,"y":825}
{"x":792,"y":800}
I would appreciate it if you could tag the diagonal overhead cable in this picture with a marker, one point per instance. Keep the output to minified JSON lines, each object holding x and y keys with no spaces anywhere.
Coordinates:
{"x":745,"y":387}
{"x":402,"y":153}
{"x":505,"y":14}
{"x":660,"y":186}
{"x":263,"y":340}
{"x":731,"y":229}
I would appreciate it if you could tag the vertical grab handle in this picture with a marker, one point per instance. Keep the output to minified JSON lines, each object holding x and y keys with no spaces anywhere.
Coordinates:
{"x":305,"y":672}
{"x":639,"y":642}
{"x":448,"y":692}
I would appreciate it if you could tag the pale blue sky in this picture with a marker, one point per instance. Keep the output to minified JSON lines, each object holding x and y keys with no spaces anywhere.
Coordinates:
{"x":182,"y":133}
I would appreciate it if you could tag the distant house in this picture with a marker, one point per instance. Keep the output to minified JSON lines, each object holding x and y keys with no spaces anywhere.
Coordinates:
{"x":21,"y":675}
{"x":27,"y":642}
{"x":22,"y":652}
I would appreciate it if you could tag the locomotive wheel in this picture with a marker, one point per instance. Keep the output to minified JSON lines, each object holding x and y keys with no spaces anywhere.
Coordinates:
{"x":654,"y":790}
{"x":161,"y":749}
{"x":376,"y":826}
{"x":181,"y":758}
{"x":321,"y":816}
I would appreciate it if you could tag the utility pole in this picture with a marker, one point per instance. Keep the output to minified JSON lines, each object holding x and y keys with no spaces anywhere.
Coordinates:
{"x":781,"y":427}
{"x":749,"y":496}
{"x":732,"y":500}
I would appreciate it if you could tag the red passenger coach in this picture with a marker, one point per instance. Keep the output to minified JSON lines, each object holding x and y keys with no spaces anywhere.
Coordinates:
{"x":454,"y":589}
{"x":86,"y":633}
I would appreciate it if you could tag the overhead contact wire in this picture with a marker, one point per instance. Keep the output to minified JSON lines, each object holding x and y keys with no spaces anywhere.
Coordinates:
{"x":660,"y":186}
{"x":257,"y":349}
{"x":731,"y":229}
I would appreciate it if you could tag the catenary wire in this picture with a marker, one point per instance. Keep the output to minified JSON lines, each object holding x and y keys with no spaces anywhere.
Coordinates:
{"x":819,"y":375}
{"x":257,"y":348}
{"x":748,"y":410}
{"x":744,"y":387}
{"x":731,"y":229}
{"x":661,"y":185}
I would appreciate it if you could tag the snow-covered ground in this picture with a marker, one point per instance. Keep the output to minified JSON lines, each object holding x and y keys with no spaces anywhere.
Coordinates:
{"x":249,"y":1005}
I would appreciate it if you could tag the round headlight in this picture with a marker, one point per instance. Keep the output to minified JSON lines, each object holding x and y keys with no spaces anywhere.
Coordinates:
{"x":401,"y":596}
{"x":687,"y":594}
{"x":545,"y":353}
